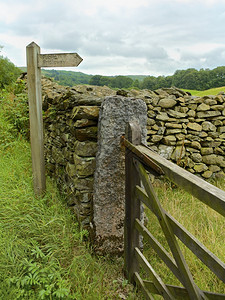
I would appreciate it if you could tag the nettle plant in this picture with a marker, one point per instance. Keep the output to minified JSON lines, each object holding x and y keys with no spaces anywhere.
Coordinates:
{"x":15,"y":108}
{"x":40,"y":276}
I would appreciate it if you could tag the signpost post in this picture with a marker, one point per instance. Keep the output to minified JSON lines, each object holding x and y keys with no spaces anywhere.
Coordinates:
{"x":35,"y":61}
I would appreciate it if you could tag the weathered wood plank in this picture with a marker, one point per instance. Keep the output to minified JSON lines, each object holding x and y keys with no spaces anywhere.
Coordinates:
{"x":180,"y":293}
{"x":59,"y":60}
{"x":159,"y":284}
{"x":144,"y":158}
{"x":132,"y":206}
{"x":159,"y":249}
{"x":36,"y":121}
{"x":206,"y":256}
{"x":193,"y":290}
{"x":199,"y":188}
{"x":141,"y":285}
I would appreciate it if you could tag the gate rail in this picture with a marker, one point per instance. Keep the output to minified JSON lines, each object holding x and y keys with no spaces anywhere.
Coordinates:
{"x":138,"y":159}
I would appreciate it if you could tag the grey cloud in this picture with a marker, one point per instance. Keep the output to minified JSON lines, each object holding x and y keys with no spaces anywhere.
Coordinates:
{"x":209,"y":57}
{"x":136,"y":39}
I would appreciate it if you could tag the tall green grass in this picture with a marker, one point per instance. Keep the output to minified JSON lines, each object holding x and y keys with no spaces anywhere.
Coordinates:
{"x":203,"y":222}
{"x":42,"y":251}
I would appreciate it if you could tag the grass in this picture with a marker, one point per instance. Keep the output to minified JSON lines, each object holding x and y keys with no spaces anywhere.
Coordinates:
{"x":203,"y":222}
{"x":209,"y":92}
{"x":42,"y":251}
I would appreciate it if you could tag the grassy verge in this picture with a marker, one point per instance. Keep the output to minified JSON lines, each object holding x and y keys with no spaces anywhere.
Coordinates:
{"x":42,"y":252}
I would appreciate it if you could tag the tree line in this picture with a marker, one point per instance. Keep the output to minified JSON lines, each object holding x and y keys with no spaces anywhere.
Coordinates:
{"x":187,"y":79}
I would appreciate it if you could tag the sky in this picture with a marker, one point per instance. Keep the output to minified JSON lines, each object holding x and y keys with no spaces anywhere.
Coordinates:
{"x":118,"y":37}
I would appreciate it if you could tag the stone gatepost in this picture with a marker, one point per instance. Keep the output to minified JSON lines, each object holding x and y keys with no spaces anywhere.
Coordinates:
{"x":109,"y":180}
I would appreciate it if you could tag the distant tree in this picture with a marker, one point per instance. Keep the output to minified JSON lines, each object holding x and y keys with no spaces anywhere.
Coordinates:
{"x":204,"y":79}
{"x":217,"y":77}
{"x":168,"y":81}
{"x":95,"y":80}
{"x":8,"y":72}
{"x":163,"y":82}
{"x":136,"y":83}
{"x":121,"y":82}
{"x":149,"y":83}
{"x":188,"y":79}
{"x":105,"y":80}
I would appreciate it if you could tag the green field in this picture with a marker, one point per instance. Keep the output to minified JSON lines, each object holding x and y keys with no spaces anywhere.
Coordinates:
{"x":209,"y":92}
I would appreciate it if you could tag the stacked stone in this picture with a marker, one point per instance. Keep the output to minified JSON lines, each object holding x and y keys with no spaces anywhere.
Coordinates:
{"x":188,"y":130}
{"x":71,"y":144}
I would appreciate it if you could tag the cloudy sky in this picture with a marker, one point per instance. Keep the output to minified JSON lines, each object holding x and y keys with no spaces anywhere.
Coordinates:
{"x":152,"y":37}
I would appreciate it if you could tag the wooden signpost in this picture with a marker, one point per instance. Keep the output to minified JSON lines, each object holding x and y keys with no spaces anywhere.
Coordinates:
{"x":35,"y":61}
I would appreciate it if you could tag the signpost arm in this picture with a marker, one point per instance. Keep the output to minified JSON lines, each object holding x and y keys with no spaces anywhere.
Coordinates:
{"x":36,"y":120}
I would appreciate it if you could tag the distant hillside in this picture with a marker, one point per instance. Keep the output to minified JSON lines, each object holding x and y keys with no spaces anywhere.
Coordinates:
{"x":190,"y":79}
{"x":137,"y":77}
{"x":69,"y":78}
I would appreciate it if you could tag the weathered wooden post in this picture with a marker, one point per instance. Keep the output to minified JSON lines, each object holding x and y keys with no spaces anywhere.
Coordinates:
{"x":132,"y":204}
{"x":35,"y":61}
{"x":36,"y":121}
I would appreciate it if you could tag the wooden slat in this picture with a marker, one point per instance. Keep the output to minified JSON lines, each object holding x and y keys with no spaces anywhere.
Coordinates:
{"x":159,"y":284}
{"x":141,"y":194}
{"x":145,"y":159}
{"x":132,"y":205}
{"x":159,"y":249}
{"x":180,"y":293}
{"x":193,"y":290}
{"x":141,"y":285}
{"x":199,"y":188}
{"x":206,"y":256}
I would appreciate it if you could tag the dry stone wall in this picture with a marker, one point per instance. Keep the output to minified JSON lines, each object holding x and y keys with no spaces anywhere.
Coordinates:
{"x":188,"y":130}
{"x":70,"y":130}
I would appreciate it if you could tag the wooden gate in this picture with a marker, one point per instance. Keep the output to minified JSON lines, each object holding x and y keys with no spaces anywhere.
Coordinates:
{"x":139,"y":189}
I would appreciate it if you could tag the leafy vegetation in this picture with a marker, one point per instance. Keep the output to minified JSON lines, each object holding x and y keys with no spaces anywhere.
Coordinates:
{"x":42,"y":252}
{"x":68,"y":78}
{"x":15,"y":108}
{"x":188,"y":79}
{"x":8,"y":72}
